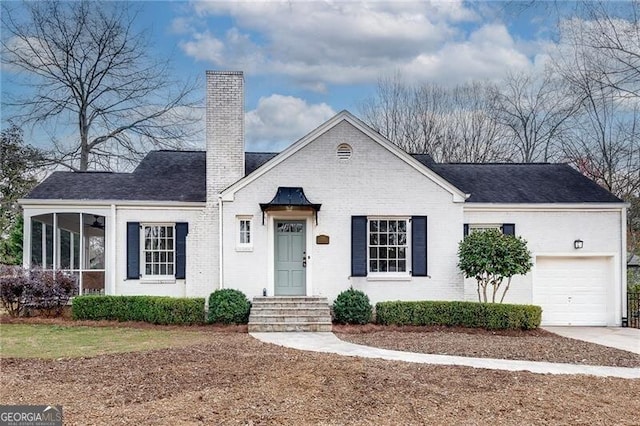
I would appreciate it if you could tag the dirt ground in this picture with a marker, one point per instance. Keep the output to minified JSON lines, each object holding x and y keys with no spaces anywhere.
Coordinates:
{"x":534,"y":345}
{"x":234,"y":379}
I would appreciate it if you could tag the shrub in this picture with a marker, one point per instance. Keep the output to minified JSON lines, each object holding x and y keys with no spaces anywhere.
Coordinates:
{"x":151,"y":309}
{"x":14,"y":285}
{"x":51,"y":291}
{"x":464,"y":314}
{"x":24,"y":289}
{"x":352,"y":307}
{"x":229,"y":306}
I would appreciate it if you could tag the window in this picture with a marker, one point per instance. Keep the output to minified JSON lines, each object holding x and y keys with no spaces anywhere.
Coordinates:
{"x":479,"y":227}
{"x":158,"y":250}
{"x":388,"y":246}
{"x":245,"y":238}
{"x":505,"y":228}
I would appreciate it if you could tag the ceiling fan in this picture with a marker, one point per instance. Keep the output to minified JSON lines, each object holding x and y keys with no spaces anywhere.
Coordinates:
{"x":96,"y":223}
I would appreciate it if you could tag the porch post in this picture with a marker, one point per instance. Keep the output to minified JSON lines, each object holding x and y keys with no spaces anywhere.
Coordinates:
{"x":26,"y":239}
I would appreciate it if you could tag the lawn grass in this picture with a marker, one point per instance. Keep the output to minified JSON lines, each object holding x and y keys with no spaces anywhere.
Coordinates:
{"x":55,"y":341}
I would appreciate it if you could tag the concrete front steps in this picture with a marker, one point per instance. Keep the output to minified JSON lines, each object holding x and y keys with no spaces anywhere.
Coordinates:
{"x":289,"y":313}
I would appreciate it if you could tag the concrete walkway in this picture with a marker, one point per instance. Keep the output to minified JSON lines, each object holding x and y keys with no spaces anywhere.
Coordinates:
{"x":329,"y":343}
{"x":627,"y":339}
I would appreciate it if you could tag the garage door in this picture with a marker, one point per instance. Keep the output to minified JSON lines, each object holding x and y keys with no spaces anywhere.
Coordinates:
{"x":573,"y":290}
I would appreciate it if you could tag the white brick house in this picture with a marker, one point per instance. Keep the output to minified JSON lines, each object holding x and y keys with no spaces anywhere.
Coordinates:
{"x":340,"y":207}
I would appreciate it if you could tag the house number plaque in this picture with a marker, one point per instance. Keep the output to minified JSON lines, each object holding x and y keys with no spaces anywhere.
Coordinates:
{"x":322,"y":239}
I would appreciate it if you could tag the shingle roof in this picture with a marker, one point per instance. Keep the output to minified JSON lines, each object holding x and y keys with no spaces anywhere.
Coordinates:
{"x":253,"y":160}
{"x":160,"y":176}
{"x":180,"y":176}
{"x":523,"y":183}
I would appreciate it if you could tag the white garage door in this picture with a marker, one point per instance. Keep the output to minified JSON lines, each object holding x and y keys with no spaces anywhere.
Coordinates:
{"x":573,"y":290}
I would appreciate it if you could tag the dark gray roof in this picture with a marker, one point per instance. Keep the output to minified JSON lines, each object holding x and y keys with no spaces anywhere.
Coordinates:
{"x":253,"y":160}
{"x":523,"y":183}
{"x":160,"y":176}
{"x":180,"y":176}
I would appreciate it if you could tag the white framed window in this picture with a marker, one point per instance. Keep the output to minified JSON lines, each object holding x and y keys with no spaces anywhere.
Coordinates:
{"x":480,"y":227}
{"x":244,"y":232}
{"x":388,"y":246}
{"x":158,"y":251}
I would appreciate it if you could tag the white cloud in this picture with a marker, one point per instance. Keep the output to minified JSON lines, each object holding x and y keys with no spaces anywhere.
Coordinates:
{"x":487,"y":54}
{"x":344,"y":42}
{"x":280,"y":120}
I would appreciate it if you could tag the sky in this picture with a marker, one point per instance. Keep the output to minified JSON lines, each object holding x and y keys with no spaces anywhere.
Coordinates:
{"x":305,"y":61}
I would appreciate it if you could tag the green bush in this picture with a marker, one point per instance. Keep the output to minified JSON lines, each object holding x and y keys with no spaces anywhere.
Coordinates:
{"x":229,"y":306}
{"x":463,"y":314}
{"x":151,"y":309}
{"x":352,"y":307}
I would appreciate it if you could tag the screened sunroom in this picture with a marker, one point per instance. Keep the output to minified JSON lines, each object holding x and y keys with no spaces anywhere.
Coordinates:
{"x":71,"y":242}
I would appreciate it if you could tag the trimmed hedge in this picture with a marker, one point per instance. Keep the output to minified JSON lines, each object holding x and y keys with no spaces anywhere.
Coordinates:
{"x":151,"y":309}
{"x":228,"y":306}
{"x":352,"y":307}
{"x":492,"y":316}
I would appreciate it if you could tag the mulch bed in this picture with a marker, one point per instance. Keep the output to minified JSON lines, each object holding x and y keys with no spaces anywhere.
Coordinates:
{"x":234,"y":379}
{"x":68,"y":322}
{"x":532,"y":345}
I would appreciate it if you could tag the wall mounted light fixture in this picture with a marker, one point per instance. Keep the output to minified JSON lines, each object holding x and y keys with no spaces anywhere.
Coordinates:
{"x":578,"y":244}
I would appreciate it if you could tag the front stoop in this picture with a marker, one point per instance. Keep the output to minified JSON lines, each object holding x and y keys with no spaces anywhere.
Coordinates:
{"x":289,"y":313}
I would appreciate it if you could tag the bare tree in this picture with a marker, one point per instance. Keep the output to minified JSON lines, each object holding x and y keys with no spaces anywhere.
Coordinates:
{"x":605,"y":141}
{"x":613,"y":30}
{"x":535,"y":111}
{"x":450,"y":124}
{"x":86,"y":66}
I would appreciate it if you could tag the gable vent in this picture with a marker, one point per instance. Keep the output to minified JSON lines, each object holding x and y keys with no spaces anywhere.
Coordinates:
{"x":344,"y":152}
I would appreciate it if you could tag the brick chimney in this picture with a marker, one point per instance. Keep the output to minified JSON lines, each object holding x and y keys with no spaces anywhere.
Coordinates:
{"x":225,"y":130}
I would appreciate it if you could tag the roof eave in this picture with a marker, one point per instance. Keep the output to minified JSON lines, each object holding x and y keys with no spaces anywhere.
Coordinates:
{"x":613,"y":206}
{"x":35,"y":202}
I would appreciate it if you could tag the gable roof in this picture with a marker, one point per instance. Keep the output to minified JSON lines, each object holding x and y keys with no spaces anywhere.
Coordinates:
{"x":181,"y":176}
{"x":345,"y":116}
{"x":523,"y":183}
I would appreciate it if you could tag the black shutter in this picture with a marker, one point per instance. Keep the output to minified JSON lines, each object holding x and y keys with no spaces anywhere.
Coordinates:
{"x":133,"y":250}
{"x":509,"y":228}
{"x":182,"y":229}
{"x":419,"y":246}
{"x":358,"y":246}
{"x":465,"y":229}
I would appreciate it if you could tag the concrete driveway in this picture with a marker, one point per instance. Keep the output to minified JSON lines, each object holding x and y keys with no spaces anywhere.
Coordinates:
{"x":627,"y":339}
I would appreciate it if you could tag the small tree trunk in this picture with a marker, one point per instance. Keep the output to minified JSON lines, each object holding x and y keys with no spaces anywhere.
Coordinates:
{"x":505,"y":289}
{"x":479,"y":297}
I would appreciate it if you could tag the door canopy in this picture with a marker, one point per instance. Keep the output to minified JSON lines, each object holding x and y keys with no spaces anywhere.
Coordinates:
{"x":290,"y":199}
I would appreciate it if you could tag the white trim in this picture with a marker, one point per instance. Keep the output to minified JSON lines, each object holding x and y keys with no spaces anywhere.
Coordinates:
{"x":458,"y":195}
{"x":108,"y":203}
{"x":576,"y":253}
{"x":110,"y":260}
{"x":271,"y":218}
{"x":392,"y":275}
{"x":220,"y":247}
{"x":590,"y":207}
{"x":484,"y":226}
{"x":378,"y":277}
{"x":240,"y":246}
{"x":143,"y":262}
{"x":621,"y":292}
